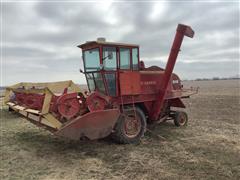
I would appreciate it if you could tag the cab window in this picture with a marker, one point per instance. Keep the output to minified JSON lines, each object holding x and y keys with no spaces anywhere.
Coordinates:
{"x":99,"y":82}
{"x":109,"y":58}
{"x":135,"y":58}
{"x":111,"y":83}
{"x":91,"y":59}
{"x":124,"y":58}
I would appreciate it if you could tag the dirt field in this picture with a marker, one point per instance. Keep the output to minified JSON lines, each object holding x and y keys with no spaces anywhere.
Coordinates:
{"x":208,"y":148}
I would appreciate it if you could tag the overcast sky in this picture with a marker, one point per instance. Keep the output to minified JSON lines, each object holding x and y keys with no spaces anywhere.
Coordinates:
{"x":39,"y":39}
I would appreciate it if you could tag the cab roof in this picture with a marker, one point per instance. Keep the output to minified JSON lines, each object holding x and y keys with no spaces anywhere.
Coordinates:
{"x":93,"y":43}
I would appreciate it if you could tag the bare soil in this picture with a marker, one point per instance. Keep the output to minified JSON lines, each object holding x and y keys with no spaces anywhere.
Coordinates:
{"x":208,"y":148}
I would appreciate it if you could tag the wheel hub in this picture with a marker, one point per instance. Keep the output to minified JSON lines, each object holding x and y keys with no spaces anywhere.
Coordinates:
{"x":182,"y":119}
{"x":132,"y":125}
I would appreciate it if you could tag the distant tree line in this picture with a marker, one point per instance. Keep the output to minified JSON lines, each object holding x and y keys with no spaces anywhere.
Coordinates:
{"x":217,"y":78}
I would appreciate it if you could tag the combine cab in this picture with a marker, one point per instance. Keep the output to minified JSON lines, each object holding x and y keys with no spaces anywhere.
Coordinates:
{"x":123,"y":96}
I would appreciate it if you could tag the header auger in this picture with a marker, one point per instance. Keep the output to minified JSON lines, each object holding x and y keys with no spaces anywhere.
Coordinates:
{"x":123,"y":96}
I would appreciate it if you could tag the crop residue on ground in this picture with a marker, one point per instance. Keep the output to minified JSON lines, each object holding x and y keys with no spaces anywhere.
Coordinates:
{"x":208,"y":148}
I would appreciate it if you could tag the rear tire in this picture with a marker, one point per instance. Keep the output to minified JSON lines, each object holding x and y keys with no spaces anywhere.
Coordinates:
{"x":128,"y":129}
{"x":180,"y":118}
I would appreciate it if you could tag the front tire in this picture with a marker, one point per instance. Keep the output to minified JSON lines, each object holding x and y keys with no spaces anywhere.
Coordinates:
{"x":130,"y":128}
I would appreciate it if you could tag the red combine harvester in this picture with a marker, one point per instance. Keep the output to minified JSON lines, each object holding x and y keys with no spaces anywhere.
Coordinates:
{"x":123,"y":96}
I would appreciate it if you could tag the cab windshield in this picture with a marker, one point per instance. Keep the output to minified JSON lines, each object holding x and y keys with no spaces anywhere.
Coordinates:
{"x":95,"y":77}
{"x":91,"y":60}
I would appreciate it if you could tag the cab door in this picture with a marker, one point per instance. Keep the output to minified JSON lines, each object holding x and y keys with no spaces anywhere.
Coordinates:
{"x":109,"y":54}
{"x":129,"y":77}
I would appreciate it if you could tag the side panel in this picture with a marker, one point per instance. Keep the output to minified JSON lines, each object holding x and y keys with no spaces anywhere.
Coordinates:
{"x":143,"y":82}
{"x":151,"y":81}
{"x":129,"y":83}
{"x":145,"y":85}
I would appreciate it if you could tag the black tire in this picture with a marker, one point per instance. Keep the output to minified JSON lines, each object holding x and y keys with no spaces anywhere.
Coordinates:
{"x":119,"y":134}
{"x":180,"y":118}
